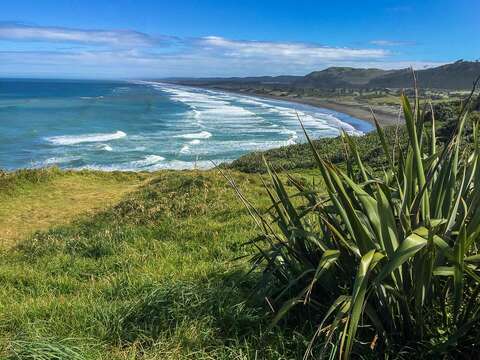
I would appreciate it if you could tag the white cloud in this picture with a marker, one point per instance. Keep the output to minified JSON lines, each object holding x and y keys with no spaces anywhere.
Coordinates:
{"x":391,"y":43}
{"x":131,"y":54}
{"x":288,"y":50}
{"x":117,"y":38}
{"x":140,"y":64}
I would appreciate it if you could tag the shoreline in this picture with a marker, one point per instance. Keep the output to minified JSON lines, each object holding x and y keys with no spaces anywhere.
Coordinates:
{"x":362,"y":114}
{"x":359,"y":111}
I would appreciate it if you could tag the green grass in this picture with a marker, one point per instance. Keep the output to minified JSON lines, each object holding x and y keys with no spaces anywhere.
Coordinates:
{"x":32,"y":200}
{"x":153,"y":276}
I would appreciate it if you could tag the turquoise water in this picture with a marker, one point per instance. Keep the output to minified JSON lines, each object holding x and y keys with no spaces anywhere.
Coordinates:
{"x":146,"y":126}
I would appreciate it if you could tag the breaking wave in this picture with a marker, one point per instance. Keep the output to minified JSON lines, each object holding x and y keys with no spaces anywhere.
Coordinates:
{"x":87,"y":138}
{"x":199,"y":135}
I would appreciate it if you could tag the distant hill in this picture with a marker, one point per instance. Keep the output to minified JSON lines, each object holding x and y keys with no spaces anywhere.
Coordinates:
{"x":341,"y":77}
{"x":280,"y":80}
{"x":458,"y":75}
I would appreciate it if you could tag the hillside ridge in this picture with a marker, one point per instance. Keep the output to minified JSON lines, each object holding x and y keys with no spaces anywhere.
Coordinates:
{"x":455,"y":76}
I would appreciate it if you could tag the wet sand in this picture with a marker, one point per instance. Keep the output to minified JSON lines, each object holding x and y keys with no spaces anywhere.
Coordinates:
{"x":360,"y":111}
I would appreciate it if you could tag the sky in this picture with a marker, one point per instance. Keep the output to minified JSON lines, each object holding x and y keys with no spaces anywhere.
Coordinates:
{"x":141,"y":39}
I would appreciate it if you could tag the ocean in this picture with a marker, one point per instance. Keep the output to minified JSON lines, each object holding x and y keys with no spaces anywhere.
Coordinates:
{"x":137,"y":125}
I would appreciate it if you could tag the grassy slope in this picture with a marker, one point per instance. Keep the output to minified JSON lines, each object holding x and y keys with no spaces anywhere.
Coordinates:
{"x":151,"y":277}
{"x":32,"y":201}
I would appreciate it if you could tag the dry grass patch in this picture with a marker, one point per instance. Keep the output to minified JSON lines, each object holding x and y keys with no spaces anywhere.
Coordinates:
{"x":60,"y":198}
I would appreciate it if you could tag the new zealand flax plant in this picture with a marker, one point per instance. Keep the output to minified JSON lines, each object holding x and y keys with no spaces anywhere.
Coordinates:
{"x":380,"y":263}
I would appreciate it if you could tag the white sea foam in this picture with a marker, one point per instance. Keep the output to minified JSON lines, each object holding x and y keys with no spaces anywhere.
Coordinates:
{"x":233,"y":111}
{"x":238,"y":124}
{"x":55,"y":161}
{"x":249,"y":101}
{"x":290,"y":141}
{"x":293,"y":136}
{"x":91,"y":97}
{"x":173,"y":164}
{"x":196,"y":114}
{"x":78,"y":139}
{"x":210,"y":107}
{"x":147,"y":161}
{"x":185,"y":149}
{"x":144,"y":164}
{"x":207,"y":125}
{"x":247,"y":115}
{"x":288,"y":131}
{"x":183,"y":165}
{"x":199,"y":135}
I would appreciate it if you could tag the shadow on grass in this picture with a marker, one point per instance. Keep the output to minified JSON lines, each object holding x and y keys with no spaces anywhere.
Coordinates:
{"x":217,"y":304}
{"x":200,"y":316}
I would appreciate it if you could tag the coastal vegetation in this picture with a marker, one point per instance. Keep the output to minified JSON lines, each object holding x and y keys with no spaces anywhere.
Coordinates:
{"x":380,"y":262}
{"x":155,"y":265}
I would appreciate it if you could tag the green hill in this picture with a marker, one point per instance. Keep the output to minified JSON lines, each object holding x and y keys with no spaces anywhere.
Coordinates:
{"x":340,"y":77}
{"x":457,"y":75}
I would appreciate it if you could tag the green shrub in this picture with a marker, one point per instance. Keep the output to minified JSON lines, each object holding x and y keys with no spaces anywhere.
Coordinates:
{"x":381,"y":263}
{"x":332,"y":149}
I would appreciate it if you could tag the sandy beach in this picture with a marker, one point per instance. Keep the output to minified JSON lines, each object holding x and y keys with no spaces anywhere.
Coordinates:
{"x":386,"y":116}
{"x":356,"y":110}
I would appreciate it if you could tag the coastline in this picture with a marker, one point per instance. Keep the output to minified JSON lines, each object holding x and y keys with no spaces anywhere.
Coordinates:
{"x":359,"y":111}
{"x":356,"y":110}
{"x":92,"y":149}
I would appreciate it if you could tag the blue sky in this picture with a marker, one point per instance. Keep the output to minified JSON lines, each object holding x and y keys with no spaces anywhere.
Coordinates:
{"x":153,"y":39}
